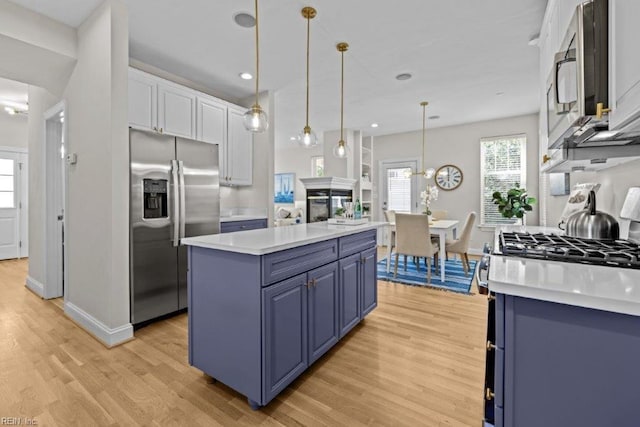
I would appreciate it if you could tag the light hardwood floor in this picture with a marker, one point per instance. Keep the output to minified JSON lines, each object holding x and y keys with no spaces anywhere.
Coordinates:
{"x":417,"y":360}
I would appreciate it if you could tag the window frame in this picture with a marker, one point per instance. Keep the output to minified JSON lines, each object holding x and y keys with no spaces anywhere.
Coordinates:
{"x":483,"y":173}
{"x":314,"y":166}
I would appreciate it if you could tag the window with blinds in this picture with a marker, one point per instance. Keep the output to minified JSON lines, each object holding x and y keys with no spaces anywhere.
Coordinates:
{"x":7,"y":184}
{"x":503,"y":164}
{"x":399,"y":189}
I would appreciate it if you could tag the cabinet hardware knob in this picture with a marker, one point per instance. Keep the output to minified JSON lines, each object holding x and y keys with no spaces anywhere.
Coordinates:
{"x":308,"y":284}
{"x":491,"y":297}
{"x":545,"y":158}
{"x":490,"y":345}
{"x":314,"y":282}
{"x":600,"y":110}
{"x":489,"y":395}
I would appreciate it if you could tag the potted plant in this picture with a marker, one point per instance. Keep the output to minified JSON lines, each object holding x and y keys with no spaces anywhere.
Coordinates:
{"x":429,"y":195}
{"x":516,"y":203}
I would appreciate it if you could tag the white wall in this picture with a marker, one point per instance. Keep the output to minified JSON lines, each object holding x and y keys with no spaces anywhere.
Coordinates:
{"x":292,"y":158}
{"x":98,"y":190}
{"x":13,"y":130}
{"x":460,"y":145}
{"x":610,"y":197}
{"x":40,"y":101}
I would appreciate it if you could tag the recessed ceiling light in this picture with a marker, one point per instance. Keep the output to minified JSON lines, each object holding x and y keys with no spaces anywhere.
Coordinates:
{"x":245,"y":76}
{"x":499,"y":93}
{"x":403,"y":76}
{"x":374,"y":125}
{"x":245,"y":20}
{"x":434,"y":117}
{"x":293,"y":138}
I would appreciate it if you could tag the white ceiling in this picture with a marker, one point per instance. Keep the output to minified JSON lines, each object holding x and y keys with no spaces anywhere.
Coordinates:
{"x":461,"y":54}
{"x":12,"y":91}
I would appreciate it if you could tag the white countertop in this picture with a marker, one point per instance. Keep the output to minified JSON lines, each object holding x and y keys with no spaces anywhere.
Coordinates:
{"x":241,"y":218}
{"x":606,"y":288}
{"x":268,"y":240}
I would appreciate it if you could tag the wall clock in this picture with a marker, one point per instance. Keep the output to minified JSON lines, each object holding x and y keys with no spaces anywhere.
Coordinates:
{"x":448,"y":177}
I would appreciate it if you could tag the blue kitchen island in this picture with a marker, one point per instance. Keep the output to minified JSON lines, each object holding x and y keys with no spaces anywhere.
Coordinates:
{"x":265,"y":304}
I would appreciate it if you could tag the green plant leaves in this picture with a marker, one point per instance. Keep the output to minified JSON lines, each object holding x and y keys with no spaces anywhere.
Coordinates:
{"x":516,"y":203}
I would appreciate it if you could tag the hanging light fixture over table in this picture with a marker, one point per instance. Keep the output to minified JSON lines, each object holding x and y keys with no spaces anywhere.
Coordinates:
{"x":341,"y":150}
{"x":255,"y":119}
{"x":429,"y":172}
{"x":308,"y":138}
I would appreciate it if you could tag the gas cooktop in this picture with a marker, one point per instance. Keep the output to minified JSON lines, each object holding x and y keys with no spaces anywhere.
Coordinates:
{"x":614,"y":253}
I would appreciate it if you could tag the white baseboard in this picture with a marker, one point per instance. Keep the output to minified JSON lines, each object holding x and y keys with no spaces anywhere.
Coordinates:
{"x":109,"y":336}
{"x":35,"y":286}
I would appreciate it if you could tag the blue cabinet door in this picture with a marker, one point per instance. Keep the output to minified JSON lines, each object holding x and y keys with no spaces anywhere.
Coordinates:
{"x":284,"y":326}
{"x":350,"y":289}
{"x":369,"y":281}
{"x":322,"y":298}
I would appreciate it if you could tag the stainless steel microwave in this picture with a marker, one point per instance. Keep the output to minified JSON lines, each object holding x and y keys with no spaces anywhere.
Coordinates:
{"x":578,"y":87}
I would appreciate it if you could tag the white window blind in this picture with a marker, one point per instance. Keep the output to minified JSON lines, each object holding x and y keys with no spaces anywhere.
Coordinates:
{"x":503,"y":164}
{"x":399,"y":189}
{"x":317,"y":166}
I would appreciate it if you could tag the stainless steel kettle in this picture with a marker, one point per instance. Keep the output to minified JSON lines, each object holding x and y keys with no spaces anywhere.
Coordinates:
{"x":592,"y":224}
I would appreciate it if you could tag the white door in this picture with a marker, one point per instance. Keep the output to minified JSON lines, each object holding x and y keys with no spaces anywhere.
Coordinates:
{"x":10,"y":200}
{"x":399,"y":187}
{"x":239,"y":150}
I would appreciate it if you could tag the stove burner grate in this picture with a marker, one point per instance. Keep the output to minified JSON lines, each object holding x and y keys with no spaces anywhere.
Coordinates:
{"x":616,"y":253}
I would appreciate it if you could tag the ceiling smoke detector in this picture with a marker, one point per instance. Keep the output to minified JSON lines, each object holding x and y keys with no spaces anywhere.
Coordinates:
{"x":244,"y":20}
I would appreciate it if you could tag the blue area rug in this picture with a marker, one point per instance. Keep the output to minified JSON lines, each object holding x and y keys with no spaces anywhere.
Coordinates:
{"x":455,"y":281}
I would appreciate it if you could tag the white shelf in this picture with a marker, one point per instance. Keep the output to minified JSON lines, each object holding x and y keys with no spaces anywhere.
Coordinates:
{"x":365,"y":185}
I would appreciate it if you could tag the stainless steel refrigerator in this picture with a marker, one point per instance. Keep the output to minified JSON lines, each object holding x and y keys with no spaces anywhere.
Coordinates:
{"x":175,"y":193}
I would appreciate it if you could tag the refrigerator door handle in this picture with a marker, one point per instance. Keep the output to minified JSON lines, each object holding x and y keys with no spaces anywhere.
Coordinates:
{"x":176,"y":203}
{"x":182,"y":199}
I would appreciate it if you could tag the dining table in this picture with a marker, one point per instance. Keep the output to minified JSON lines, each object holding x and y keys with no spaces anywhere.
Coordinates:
{"x":440,"y":227}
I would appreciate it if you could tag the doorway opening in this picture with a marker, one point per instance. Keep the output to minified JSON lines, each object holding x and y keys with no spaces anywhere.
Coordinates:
{"x":398,"y":188}
{"x":55,"y":201}
{"x":14,"y":241}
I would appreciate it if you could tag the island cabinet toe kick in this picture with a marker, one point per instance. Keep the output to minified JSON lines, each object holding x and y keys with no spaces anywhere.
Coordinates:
{"x":256,"y":322}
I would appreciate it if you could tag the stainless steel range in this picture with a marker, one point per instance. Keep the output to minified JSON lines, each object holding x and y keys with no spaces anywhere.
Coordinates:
{"x":555,"y":247}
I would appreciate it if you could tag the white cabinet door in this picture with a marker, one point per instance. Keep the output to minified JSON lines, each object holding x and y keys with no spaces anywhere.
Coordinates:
{"x":176,"y":111}
{"x":624,"y":96}
{"x":239,"y":150}
{"x":211,"y":120}
{"x":143,"y":93}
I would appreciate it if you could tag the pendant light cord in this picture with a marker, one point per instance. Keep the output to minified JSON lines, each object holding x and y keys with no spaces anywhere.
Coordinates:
{"x":308,"y":46}
{"x":424,"y":125}
{"x":257,"y":56}
{"x":342,"y":98}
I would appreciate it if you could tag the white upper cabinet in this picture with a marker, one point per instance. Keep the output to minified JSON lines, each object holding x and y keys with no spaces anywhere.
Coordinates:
{"x":143,"y":93}
{"x":624,"y":63}
{"x":211,"y":120}
{"x":239,"y":155}
{"x":165,"y":107}
{"x":176,"y":111}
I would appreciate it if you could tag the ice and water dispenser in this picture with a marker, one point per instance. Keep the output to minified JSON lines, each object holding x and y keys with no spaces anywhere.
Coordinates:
{"x":155,"y":198}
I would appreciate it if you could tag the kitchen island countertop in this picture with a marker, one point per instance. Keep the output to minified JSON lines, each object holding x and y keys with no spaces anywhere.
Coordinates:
{"x":268,"y":240}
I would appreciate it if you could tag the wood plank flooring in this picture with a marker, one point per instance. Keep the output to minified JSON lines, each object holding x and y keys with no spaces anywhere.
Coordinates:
{"x":417,"y":360}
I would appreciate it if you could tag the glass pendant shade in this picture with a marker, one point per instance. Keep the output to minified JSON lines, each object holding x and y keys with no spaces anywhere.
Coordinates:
{"x":307,"y":138}
{"x":429,"y":173}
{"x":341,"y":150}
{"x":255,"y":119}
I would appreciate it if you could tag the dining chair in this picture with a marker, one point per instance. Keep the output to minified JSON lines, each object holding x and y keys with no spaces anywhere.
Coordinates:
{"x":390,"y":216}
{"x":461,"y":245}
{"x":436,"y":215}
{"x":413,"y":239}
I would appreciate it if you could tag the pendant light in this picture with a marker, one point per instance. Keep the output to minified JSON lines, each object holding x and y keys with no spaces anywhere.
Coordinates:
{"x":307,"y":137}
{"x":255,"y":119}
{"x":341,"y":150}
{"x":427,"y":173}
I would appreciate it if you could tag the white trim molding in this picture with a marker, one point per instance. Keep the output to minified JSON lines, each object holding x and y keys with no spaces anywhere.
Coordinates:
{"x":108,"y":336}
{"x":35,"y":286}
{"x":14,"y":149}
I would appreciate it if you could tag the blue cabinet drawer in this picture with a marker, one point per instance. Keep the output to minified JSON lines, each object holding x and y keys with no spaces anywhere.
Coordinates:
{"x":355,"y":243}
{"x":284,"y":264}
{"x":231,"y":226}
